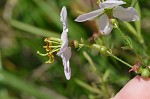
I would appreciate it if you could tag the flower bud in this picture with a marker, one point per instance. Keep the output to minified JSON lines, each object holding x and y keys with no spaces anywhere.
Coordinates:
{"x":102,"y":49}
{"x":114,"y":21}
{"x":145,"y":73}
{"x":76,"y":43}
{"x":81,"y":40}
{"x":96,"y":46}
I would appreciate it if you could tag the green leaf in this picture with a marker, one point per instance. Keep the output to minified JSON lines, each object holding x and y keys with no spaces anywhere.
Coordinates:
{"x":32,"y":29}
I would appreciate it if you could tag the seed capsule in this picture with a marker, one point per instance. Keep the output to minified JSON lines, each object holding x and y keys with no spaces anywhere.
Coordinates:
{"x":145,"y":73}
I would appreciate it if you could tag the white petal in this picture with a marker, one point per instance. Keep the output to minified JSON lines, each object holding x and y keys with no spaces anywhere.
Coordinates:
{"x":125,"y":14}
{"x":65,"y":58}
{"x":89,"y":16}
{"x":64,"y":38}
{"x":104,"y":25}
{"x":67,"y":71}
{"x":63,"y":17}
{"x":111,"y":3}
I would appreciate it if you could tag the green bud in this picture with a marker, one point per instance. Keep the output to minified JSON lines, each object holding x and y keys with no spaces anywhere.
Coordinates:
{"x":102,"y":49}
{"x":96,"y":46}
{"x":145,"y":73}
{"x":81,"y":40}
{"x":114,"y":21}
{"x":76,"y":43}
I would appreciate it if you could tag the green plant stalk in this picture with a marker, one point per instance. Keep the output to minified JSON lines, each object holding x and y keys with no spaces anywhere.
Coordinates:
{"x":32,"y":29}
{"x":8,"y":79}
{"x":112,"y":55}
{"x":136,"y":33}
{"x":138,"y":26}
{"x":88,"y":87}
{"x":109,"y":53}
{"x":130,"y":44}
{"x":138,"y":23}
{"x":89,"y":60}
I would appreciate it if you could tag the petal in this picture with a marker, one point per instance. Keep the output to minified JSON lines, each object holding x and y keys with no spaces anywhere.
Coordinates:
{"x":104,"y":25}
{"x":89,"y":16}
{"x":64,"y":38}
{"x":63,"y":17}
{"x":67,"y":53}
{"x":67,"y":70}
{"x":125,"y":14}
{"x":65,"y":58}
{"x":111,"y":3}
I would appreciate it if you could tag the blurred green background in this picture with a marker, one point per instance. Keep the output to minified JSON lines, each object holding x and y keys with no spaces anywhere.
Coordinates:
{"x":23,"y":73}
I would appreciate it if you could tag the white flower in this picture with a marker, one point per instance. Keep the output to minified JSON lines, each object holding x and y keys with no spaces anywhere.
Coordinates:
{"x":65,"y":51}
{"x":106,"y":8}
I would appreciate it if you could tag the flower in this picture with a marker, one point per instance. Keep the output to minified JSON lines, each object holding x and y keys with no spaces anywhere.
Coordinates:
{"x":60,"y":46}
{"x":108,"y":10}
{"x":65,"y":51}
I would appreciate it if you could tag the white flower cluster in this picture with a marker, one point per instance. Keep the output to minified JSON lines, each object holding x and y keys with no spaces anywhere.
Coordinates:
{"x":110,"y":6}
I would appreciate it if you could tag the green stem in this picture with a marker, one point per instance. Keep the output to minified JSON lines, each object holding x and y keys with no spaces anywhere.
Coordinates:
{"x":130,"y":44}
{"x":108,"y":52}
{"x":89,"y":60}
{"x":88,"y":87}
{"x":127,"y":40}
{"x":112,"y":55}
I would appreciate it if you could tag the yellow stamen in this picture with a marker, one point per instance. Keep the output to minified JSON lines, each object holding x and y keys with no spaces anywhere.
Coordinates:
{"x":52,"y":45}
{"x":51,"y":58}
{"x":55,"y":42}
{"x":52,"y":39}
{"x":42,"y":54}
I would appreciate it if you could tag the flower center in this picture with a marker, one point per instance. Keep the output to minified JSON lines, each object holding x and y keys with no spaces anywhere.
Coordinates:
{"x":109,"y":12}
{"x":52,"y":45}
